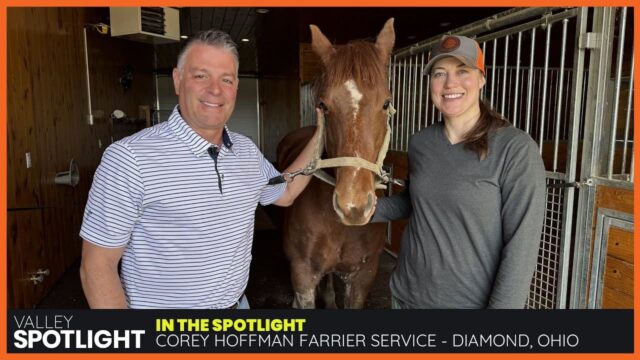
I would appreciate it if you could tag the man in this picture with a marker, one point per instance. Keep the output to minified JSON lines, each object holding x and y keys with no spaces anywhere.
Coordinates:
{"x":177,"y":201}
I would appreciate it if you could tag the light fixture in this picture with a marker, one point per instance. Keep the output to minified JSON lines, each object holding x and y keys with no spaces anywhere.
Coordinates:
{"x":262,"y":11}
{"x":184,"y":37}
{"x":245,"y":40}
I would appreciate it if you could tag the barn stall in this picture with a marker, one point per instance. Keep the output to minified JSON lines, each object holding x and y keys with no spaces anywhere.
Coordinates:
{"x":564,"y":75}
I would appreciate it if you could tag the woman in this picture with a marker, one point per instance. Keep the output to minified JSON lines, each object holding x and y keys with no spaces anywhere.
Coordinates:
{"x":475,"y":200}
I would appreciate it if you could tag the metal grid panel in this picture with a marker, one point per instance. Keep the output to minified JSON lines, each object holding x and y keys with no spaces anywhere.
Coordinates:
{"x":544,"y":287}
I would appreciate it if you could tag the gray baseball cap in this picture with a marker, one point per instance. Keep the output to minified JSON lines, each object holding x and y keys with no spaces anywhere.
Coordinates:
{"x":462,"y":48}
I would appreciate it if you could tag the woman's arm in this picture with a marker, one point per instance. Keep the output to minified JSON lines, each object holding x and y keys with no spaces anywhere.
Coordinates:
{"x":523,"y":189}
{"x":394,"y":207}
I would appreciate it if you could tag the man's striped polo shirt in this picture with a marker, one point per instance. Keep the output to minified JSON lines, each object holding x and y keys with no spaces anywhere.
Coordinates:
{"x":187,"y":226}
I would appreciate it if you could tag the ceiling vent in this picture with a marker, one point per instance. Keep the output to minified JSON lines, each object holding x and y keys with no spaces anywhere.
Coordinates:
{"x":156,"y":25}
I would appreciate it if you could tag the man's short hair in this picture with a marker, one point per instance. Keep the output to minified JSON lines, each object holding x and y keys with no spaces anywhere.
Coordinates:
{"x":212,"y":37}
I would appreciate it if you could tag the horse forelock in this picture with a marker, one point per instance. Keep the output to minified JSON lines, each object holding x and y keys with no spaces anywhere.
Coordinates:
{"x":358,"y":61}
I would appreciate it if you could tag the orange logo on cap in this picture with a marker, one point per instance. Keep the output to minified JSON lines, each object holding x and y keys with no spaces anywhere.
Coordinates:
{"x":449,"y":44}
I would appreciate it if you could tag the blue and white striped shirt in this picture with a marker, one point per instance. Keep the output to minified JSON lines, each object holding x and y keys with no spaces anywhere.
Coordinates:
{"x":188,"y":241}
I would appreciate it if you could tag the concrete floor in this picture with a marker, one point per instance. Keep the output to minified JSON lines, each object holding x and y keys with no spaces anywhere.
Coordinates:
{"x":269,"y":282}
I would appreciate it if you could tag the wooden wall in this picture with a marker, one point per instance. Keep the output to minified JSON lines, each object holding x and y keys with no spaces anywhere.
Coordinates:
{"x":617,"y":288}
{"x":47,"y":105}
{"x":310,"y":64}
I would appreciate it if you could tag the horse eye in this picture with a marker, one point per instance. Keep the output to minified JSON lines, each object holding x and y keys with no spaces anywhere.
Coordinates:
{"x":323,"y":107}
{"x":386,"y":104}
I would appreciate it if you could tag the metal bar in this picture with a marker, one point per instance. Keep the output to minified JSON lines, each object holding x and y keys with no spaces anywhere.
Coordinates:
{"x":553,"y":85}
{"x":420,"y":95}
{"x":565,"y":22}
{"x":538,"y":98}
{"x":426,"y":103}
{"x":493,"y":71}
{"x":396,"y":102}
{"x":514,"y":117}
{"x":504,"y":76}
{"x":392,"y":79}
{"x":628,"y":117}
{"x":89,"y":116}
{"x":496,"y":21}
{"x":413,"y":103}
{"x":530,"y":82}
{"x":566,"y":113}
{"x":433,"y":113}
{"x":544,"y":85}
{"x":402,"y":107}
{"x":544,"y":20}
{"x":595,"y":99}
{"x":410,"y":96}
{"x":616,"y":97}
{"x":509,"y":91}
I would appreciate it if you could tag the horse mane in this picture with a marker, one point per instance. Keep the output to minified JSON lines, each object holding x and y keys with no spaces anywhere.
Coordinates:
{"x":357,"y":60}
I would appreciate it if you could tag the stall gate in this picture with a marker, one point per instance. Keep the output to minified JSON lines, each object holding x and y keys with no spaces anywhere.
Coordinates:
{"x":564,"y":76}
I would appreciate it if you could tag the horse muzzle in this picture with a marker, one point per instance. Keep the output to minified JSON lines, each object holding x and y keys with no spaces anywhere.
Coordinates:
{"x":352,"y":208}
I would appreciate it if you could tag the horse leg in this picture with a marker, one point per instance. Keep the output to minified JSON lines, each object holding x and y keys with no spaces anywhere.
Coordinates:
{"x":328,"y":292}
{"x":304,"y":282}
{"x":358,"y":284}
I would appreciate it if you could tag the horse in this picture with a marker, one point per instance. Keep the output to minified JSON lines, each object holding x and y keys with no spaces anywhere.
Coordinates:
{"x":326,"y":230}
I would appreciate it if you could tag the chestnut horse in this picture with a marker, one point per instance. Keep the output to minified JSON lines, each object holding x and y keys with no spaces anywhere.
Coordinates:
{"x":326,"y":230}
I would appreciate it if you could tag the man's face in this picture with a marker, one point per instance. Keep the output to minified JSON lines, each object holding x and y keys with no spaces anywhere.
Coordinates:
{"x":206,"y":88}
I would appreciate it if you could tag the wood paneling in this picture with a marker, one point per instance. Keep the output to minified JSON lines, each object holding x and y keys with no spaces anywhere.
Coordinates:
{"x":24,"y":189}
{"x":613,"y":299}
{"x":26,"y":254}
{"x":614,"y":198}
{"x":618,"y":275}
{"x":617,"y":290}
{"x":47,"y":116}
{"x":310,"y":65}
{"x":620,"y":244}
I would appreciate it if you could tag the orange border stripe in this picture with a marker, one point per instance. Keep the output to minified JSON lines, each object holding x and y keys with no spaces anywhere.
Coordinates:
{"x":280,"y":3}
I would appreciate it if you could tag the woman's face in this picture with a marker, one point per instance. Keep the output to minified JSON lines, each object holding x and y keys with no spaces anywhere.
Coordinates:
{"x":455,"y":88}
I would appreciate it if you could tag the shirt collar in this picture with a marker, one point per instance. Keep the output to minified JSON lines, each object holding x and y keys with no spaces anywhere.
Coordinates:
{"x":196,"y":143}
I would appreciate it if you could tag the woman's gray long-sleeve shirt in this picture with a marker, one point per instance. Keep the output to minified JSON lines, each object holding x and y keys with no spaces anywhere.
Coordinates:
{"x":474,"y":226}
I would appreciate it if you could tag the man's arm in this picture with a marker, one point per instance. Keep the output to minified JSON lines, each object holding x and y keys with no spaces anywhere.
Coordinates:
{"x":295,"y":187}
{"x":99,"y":276}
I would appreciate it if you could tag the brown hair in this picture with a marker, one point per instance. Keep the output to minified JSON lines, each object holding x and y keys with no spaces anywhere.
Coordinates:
{"x":477,"y":139}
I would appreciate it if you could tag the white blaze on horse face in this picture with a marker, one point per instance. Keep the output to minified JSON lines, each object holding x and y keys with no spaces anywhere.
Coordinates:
{"x":356,"y":96}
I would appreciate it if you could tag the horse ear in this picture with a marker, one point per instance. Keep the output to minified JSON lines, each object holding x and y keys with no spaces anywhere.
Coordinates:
{"x":321,"y":45}
{"x":385,"y":40}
